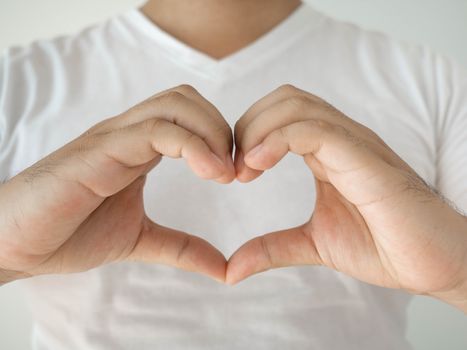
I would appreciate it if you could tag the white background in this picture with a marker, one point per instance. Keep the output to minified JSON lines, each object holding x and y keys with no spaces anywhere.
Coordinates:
{"x":441,"y":24}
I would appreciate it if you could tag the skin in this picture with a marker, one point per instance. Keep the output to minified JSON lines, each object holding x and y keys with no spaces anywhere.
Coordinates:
{"x":375,"y":219}
{"x":82,"y":206}
{"x":393,"y":231}
{"x":236,"y":23}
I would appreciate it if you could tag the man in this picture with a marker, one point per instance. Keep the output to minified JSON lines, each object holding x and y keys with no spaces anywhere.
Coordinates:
{"x":337,"y":93}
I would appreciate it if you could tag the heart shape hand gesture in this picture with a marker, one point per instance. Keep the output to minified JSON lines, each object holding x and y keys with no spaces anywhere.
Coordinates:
{"x":374,"y":219}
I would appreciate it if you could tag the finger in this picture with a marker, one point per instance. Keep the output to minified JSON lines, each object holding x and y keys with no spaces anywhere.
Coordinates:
{"x":197,"y":115}
{"x":288,"y":104}
{"x":293,"y":102}
{"x":193,"y":94}
{"x":300,"y":109}
{"x":282,"y":93}
{"x":274,"y":117}
{"x":244,"y":173}
{"x":182,"y":111}
{"x":185,"y":107}
{"x":228,"y":175}
{"x":278,"y":115}
{"x":167,"y":99}
{"x":107,"y":163}
{"x":277,"y":249}
{"x":347,"y":161}
{"x":162,"y":245}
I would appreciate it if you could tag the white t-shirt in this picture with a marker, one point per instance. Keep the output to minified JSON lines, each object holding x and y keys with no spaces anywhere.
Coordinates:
{"x":53,"y":90}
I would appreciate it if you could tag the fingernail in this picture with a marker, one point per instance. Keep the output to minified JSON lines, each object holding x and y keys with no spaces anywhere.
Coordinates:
{"x":255,"y":151}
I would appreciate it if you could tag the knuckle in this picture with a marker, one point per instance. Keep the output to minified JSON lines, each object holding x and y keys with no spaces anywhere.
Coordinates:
{"x":280,"y":132}
{"x":191,"y":139}
{"x":185,"y":89}
{"x":191,"y":142}
{"x":96,"y":128}
{"x":322,"y":125}
{"x":139,"y":109}
{"x":341,"y":130}
{"x":287,"y":89}
{"x":151,"y":125}
{"x":85,"y":143}
{"x":171,"y":97}
{"x":299,"y":102}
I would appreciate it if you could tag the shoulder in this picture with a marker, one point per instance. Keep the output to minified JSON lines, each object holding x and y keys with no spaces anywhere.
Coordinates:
{"x":38,"y":79}
{"x":382,"y":52}
{"x":410,"y":73}
{"x":39,"y":61}
{"x":38,"y":76}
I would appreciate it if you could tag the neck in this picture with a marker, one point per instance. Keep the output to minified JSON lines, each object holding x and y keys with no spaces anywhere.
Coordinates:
{"x":218,"y":27}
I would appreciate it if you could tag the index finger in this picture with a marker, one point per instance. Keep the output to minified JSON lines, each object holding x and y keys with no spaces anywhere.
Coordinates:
{"x":184,"y":107}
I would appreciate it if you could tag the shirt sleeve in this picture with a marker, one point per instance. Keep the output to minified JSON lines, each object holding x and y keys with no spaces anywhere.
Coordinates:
{"x":451,"y":81}
{"x":3,"y":122}
{"x":16,"y":94}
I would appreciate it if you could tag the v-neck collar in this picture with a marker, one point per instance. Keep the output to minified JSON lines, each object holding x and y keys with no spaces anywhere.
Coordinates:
{"x":303,"y":19}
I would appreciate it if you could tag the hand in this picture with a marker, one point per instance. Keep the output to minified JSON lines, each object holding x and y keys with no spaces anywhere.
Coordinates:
{"x":82,"y":206}
{"x":375,"y":219}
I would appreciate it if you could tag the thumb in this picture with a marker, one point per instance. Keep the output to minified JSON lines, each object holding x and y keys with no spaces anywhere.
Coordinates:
{"x":289,"y":247}
{"x":163,"y":245}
